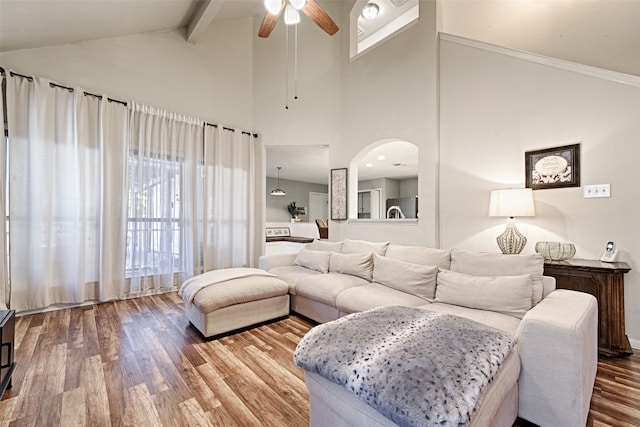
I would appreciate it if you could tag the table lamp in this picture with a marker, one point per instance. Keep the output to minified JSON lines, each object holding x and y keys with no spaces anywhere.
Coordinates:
{"x":511,"y":202}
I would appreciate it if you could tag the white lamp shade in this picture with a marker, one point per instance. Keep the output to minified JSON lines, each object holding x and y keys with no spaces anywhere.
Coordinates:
{"x":273,"y":6}
{"x":512,"y":202}
{"x":298,"y":4}
{"x":291,"y":15}
{"x":278,"y":192}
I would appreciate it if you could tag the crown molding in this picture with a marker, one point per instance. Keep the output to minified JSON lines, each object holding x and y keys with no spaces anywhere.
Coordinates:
{"x":587,"y":70}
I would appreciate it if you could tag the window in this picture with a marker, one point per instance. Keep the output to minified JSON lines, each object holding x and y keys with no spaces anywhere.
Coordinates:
{"x":154,"y":220}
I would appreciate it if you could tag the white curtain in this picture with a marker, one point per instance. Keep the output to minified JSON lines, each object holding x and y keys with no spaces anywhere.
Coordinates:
{"x":165,"y":161}
{"x":234,"y":189}
{"x":4,"y":284}
{"x":56,"y":171}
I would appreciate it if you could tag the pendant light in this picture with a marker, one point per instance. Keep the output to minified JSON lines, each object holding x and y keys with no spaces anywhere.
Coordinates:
{"x":278,"y":191}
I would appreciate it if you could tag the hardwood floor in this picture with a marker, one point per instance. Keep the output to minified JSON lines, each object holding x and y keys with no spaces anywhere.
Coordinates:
{"x":139,"y":363}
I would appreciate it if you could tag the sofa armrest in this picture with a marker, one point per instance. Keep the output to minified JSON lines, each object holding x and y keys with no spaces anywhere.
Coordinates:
{"x":558,"y":347}
{"x":267,"y":262}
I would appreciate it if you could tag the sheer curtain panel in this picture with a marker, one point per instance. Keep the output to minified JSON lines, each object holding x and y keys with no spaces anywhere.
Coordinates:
{"x":58,"y":142}
{"x":165,"y":174}
{"x":4,"y":283}
{"x":233,"y":209}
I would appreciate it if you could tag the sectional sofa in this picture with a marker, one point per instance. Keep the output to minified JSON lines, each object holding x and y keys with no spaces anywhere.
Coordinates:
{"x":556,"y":330}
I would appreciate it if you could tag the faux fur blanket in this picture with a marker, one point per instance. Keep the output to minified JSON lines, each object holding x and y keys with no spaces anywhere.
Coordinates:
{"x":414,"y":366}
{"x":192,"y":286}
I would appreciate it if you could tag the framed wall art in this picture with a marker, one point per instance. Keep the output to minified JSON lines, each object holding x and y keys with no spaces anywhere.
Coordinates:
{"x":339,"y":194}
{"x":553,"y":167}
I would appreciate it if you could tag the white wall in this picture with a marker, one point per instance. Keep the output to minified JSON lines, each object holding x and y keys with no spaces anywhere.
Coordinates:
{"x":601,"y":33}
{"x":297,"y":191}
{"x":390,"y":93}
{"x":493,"y":108}
{"x":314,"y":118}
{"x":210,"y":80}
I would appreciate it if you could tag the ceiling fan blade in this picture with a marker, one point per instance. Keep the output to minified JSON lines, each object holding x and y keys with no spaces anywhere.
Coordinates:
{"x":269,"y":22}
{"x":320,"y":17}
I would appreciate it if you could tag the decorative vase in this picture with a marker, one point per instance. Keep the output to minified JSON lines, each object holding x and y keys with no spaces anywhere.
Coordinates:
{"x":556,"y":251}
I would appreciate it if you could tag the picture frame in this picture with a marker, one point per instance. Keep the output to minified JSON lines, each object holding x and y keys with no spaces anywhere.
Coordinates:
{"x":278,"y":232}
{"x":338,"y":182}
{"x":556,"y":167}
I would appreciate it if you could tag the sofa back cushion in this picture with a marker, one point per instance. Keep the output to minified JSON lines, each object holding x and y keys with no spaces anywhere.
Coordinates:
{"x":360,"y":265}
{"x":494,"y":264}
{"x":505,"y":294}
{"x":420,"y":255}
{"x":323,"y":245}
{"x":314,"y":260}
{"x":414,"y":279}
{"x":363,"y":247}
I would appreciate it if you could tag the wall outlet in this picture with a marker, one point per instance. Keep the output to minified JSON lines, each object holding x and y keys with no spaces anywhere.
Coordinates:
{"x":598,"y":190}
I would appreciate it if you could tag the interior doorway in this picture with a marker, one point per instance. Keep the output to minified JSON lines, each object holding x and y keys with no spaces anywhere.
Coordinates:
{"x":318,"y":206}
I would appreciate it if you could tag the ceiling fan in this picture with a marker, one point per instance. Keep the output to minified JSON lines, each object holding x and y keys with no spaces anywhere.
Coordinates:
{"x":275,"y":8}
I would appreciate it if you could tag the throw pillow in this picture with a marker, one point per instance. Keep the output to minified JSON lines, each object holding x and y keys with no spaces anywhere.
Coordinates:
{"x":322,"y":245}
{"x":414,"y":279}
{"x":360,"y":265}
{"x":363,"y":247}
{"x":314,"y":260}
{"x":420,"y":255}
{"x":494,"y":264}
{"x":505,"y":294}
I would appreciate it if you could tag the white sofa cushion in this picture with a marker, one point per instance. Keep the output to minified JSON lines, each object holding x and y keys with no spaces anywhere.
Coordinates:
{"x":324,"y":288}
{"x":494,"y":264}
{"x":504,"y":322}
{"x":361,"y":298}
{"x":363,"y":246}
{"x":414,"y":279}
{"x":420,"y":255}
{"x":504,"y":294}
{"x":359,"y":264}
{"x":293,"y":274}
{"x":323,"y":245}
{"x":314,"y":260}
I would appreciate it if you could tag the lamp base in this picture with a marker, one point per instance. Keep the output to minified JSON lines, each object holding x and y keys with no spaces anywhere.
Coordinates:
{"x":511,"y":242}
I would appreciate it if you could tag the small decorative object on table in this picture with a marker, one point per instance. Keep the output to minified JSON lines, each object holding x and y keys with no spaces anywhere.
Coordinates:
{"x":556,"y":251}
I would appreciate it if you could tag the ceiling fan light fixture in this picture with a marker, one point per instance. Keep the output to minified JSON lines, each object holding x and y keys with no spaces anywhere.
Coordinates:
{"x":278,"y":191}
{"x":370,"y":11}
{"x":291,"y":15}
{"x":273,"y":6}
{"x":298,"y":4}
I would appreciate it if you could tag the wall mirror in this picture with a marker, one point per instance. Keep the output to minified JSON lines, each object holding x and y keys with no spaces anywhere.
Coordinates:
{"x":303,"y":178}
{"x":372,"y":22}
{"x":387,"y":176}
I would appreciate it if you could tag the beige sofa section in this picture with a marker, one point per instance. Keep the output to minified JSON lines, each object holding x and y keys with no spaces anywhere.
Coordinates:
{"x":556,"y":330}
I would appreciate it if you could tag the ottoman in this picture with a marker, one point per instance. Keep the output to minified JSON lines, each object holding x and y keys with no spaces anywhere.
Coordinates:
{"x":224,"y":300}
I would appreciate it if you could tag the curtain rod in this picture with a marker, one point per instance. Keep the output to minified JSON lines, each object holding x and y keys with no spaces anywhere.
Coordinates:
{"x":70,"y":89}
{"x":255,"y":135}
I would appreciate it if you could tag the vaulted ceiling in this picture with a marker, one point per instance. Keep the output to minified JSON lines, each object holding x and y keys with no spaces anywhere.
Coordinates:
{"x":602,"y":33}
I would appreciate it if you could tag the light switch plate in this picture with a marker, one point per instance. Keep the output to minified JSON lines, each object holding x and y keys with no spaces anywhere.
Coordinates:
{"x":597,"y":190}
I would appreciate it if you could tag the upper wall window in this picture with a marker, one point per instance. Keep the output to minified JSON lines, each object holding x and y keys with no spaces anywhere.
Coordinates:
{"x":374,"y":21}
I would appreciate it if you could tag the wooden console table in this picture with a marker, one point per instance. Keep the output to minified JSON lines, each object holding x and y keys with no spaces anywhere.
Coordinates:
{"x":605,"y":281}
{"x":7,"y":362}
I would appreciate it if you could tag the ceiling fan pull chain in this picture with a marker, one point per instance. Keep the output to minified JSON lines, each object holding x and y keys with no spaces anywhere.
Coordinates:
{"x":295,"y":87}
{"x":286,"y":82}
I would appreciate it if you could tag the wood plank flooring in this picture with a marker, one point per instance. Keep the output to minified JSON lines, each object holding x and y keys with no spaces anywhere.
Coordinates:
{"x":139,"y":363}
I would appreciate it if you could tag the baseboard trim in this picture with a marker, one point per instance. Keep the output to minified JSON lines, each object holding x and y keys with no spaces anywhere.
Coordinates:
{"x":634,"y":343}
